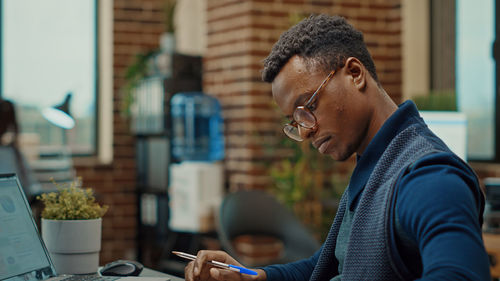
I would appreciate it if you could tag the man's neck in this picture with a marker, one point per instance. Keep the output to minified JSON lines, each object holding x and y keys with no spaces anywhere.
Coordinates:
{"x":383,"y":108}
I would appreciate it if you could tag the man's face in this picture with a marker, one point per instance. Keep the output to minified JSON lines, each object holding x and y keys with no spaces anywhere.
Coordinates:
{"x":342,"y":117}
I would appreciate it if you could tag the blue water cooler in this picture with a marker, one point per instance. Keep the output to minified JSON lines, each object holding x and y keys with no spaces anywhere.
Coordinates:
{"x":197,"y":127}
{"x":197,"y":179}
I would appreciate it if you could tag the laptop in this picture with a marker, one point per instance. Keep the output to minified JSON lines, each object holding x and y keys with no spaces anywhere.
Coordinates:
{"x":23,"y":255}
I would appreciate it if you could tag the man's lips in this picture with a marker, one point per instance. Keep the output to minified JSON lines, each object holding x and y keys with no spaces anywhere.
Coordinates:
{"x":317,"y":143}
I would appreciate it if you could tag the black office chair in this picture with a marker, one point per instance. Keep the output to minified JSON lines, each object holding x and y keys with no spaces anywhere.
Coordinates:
{"x":257,"y":213}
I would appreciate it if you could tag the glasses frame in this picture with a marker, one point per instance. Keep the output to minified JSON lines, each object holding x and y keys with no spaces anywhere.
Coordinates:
{"x":292,"y":129}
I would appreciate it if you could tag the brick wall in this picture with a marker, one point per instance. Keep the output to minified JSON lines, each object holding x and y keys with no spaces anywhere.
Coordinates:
{"x":240,"y":36}
{"x":137,"y":26}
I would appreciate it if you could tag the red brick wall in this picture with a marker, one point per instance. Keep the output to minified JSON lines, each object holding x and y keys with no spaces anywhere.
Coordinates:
{"x":137,"y":26}
{"x":240,"y":36}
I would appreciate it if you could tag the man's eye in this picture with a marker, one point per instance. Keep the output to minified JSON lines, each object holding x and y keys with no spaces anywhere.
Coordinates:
{"x":312,"y":106}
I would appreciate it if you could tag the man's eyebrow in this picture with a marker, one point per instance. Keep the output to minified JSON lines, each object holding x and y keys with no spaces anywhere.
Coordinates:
{"x":301,"y":99}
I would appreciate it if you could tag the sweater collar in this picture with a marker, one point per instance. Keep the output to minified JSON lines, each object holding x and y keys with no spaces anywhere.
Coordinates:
{"x":403,"y":117}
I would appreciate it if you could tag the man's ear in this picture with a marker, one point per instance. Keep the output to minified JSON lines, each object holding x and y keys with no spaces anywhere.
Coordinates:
{"x":357,"y":71}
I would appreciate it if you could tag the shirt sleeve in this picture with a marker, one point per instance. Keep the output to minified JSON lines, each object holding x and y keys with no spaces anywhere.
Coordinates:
{"x":439,"y":206}
{"x":295,"y":271}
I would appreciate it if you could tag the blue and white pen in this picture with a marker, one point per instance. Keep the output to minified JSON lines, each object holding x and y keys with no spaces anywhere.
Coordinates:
{"x":218,"y":264}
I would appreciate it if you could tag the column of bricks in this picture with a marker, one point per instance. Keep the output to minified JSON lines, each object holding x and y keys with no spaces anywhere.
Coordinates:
{"x":137,"y":26}
{"x":231,"y":73}
{"x":242,"y":33}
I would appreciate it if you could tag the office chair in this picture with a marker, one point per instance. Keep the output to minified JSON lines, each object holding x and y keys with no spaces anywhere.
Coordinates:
{"x":257,"y":213}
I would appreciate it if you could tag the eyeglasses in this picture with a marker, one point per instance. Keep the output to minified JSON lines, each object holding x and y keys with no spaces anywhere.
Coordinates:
{"x":303,"y":116}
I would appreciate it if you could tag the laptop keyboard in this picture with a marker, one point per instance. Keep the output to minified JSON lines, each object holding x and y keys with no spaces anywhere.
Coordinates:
{"x":90,"y":278}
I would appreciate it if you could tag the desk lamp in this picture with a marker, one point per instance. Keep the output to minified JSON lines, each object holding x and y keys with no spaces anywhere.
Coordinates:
{"x":59,"y":115}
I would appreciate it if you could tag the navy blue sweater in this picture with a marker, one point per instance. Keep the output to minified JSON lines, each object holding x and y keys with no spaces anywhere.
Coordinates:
{"x":436,"y":208}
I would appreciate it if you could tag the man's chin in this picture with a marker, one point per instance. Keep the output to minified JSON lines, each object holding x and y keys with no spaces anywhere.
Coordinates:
{"x":339,"y":156}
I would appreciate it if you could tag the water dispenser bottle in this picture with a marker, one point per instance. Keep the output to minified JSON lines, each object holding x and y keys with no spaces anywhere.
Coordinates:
{"x":197,"y":127}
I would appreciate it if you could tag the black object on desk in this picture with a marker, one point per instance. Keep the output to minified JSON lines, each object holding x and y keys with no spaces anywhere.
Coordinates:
{"x":122,"y":268}
{"x":492,"y":209}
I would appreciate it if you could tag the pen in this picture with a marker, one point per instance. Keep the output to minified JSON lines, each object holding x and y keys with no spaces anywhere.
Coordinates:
{"x":218,"y":264}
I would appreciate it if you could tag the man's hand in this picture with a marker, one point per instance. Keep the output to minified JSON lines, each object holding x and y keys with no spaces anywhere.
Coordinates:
{"x":200,"y":270}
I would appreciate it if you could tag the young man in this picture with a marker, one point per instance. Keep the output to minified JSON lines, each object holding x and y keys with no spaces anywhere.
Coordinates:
{"x":412,"y":210}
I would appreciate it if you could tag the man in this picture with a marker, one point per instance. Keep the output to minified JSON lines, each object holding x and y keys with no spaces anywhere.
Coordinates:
{"x":412,"y":210}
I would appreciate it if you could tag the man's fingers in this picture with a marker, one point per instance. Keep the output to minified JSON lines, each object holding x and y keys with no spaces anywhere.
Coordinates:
{"x":206,"y":256}
{"x":199,"y":269}
{"x":199,"y":263}
{"x":224,"y":275}
{"x":214,"y":273}
{"x":188,"y":271}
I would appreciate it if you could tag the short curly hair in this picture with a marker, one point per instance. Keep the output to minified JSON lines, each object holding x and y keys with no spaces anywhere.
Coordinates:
{"x":325,"y":41}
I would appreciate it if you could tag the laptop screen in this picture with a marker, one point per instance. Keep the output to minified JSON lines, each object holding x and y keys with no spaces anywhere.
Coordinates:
{"x":22,"y":254}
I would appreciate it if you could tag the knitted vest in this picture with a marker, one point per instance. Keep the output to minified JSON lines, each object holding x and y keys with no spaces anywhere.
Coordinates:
{"x":369,"y":255}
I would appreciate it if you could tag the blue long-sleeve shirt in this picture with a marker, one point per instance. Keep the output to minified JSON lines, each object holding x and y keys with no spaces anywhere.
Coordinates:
{"x":436,"y":208}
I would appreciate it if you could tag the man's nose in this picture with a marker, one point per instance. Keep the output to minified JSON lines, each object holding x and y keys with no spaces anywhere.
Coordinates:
{"x":306,"y":133}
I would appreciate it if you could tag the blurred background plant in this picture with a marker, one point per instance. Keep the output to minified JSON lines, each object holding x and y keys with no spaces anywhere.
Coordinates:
{"x":310,"y":183}
{"x":144,"y":62}
{"x":134,"y":74}
{"x":437,"y":101}
{"x":169,"y":10}
{"x":305,"y":181}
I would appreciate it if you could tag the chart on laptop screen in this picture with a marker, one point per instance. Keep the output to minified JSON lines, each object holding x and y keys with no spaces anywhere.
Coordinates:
{"x":20,"y":246}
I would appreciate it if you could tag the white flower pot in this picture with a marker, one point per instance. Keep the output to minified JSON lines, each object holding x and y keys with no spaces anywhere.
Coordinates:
{"x":74,"y":245}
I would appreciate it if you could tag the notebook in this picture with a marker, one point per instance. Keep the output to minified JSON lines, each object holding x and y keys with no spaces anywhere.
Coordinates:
{"x":23,"y":255}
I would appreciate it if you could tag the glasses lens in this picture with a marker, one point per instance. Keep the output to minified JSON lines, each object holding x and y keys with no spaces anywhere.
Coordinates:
{"x":304,"y":118}
{"x":292,"y":132}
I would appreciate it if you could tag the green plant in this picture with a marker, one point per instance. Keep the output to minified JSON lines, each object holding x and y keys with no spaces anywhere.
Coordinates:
{"x":296,"y":17}
{"x":71,"y":203}
{"x":299,"y":177}
{"x":437,"y":100}
{"x":134,"y":73}
{"x":305,"y":181}
{"x":141,"y":66}
{"x":169,"y":10}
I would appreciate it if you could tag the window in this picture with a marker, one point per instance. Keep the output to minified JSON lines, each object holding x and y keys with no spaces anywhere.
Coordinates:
{"x":475,"y":76}
{"x":48,"y":49}
{"x":447,"y":56}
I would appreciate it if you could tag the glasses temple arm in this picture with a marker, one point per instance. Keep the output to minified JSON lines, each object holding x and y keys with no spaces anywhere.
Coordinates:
{"x":320,"y":87}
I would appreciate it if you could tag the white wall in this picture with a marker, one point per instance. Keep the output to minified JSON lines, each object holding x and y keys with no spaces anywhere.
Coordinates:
{"x":191,"y":27}
{"x":416,"y":51}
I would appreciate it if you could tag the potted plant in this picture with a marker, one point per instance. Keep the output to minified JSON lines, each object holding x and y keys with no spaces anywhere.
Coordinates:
{"x":71,"y":229}
{"x":167,"y":39}
{"x":440,"y":112}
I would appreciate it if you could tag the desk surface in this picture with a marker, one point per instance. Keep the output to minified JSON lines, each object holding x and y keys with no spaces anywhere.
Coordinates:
{"x":492,"y":244}
{"x":146,"y":272}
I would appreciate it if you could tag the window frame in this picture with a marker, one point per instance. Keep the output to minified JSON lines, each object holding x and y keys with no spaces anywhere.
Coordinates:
{"x":495,"y":52}
{"x":103,"y":87}
{"x":416,"y":73}
{"x":496,"y":55}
